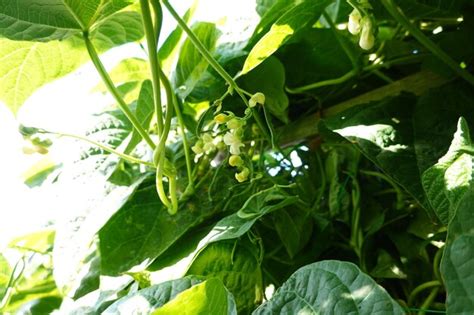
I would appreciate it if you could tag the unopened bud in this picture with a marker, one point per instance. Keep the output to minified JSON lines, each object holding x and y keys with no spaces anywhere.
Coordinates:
{"x":234,"y":123}
{"x":221,"y":119}
{"x":367,"y":38}
{"x":235,"y":161}
{"x":243,"y":175}
{"x":354,"y":22}
{"x":198,"y":147}
{"x":257,"y":98}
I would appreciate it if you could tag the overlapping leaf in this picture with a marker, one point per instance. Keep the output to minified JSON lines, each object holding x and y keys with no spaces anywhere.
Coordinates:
{"x":289,"y":23}
{"x":330,"y":287}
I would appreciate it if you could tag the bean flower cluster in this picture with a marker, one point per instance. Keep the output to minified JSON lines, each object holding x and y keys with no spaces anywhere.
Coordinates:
{"x":232,"y":140}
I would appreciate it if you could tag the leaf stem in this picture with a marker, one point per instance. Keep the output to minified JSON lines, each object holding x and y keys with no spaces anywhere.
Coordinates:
{"x":420,"y":288}
{"x":401,"y":18}
{"x":426,"y":304}
{"x":339,"y":80}
{"x":124,"y":156}
{"x":151,"y":40}
{"x":349,"y":75}
{"x":113,"y":90}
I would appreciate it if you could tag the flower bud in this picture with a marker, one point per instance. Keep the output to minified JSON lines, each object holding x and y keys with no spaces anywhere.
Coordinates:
{"x":354,"y":22}
{"x":243,"y":175}
{"x":221,"y":119}
{"x":197,"y":148}
{"x":257,"y":98}
{"x":234,"y":123}
{"x":208,"y":143}
{"x":235,"y":161}
{"x":367,"y":38}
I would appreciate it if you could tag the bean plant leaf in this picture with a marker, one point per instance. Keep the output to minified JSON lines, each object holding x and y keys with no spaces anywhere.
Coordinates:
{"x":40,"y":242}
{"x":144,"y":113}
{"x":298,"y":17}
{"x":27,"y":66}
{"x":276,"y":100}
{"x":191,"y":65}
{"x":151,"y":297}
{"x":182,"y":293}
{"x":237,"y":224}
{"x":383,"y":131}
{"x":118,"y":29}
{"x":142,"y":229}
{"x":33,"y":20}
{"x":294,"y":227}
{"x":448,"y":180}
{"x":128,"y":70}
{"x":458,"y":258}
{"x":30,"y":65}
{"x":236,"y":266}
{"x":274,"y":10}
{"x":330,"y":287}
{"x":208,"y":297}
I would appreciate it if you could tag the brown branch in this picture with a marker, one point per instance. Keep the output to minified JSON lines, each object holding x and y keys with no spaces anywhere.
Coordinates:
{"x":306,"y":127}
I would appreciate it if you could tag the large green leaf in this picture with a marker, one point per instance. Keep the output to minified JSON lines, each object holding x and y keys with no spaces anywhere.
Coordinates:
{"x":118,"y":29}
{"x":236,"y":266}
{"x":276,"y":100}
{"x":36,"y":20}
{"x":52,"y":19}
{"x":274,"y":10}
{"x":191,"y":65}
{"x":383,"y":131}
{"x":178,"y":293}
{"x":458,"y":258}
{"x":208,"y":297}
{"x":128,"y":70}
{"x":40,"y":241}
{"x":318,"y":52}
{"x":258,"y":205}
{"x":142,"y":230}
{"x":26,"y":66}
{"x":298,"y":17}
{"x":151,"y":297}
{"x":330,"y":287}
{"x":448,"y":180}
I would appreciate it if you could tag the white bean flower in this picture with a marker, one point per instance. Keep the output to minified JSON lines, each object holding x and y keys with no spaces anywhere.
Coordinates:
{"x":234,"y":142}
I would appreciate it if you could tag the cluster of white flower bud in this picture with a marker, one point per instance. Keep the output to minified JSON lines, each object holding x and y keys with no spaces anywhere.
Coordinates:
{"x":232,"y":138}
{"x":362,"y":25}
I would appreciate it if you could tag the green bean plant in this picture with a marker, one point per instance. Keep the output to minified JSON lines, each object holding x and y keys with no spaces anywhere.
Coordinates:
{"x":323,"y":165}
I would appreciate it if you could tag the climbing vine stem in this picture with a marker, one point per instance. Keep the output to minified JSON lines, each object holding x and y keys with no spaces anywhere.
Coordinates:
{"x":113,"y":90}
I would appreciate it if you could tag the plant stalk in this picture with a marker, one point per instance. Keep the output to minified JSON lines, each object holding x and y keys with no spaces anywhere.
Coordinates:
{"x":151,"y":40}
{"x":113,"y":90}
